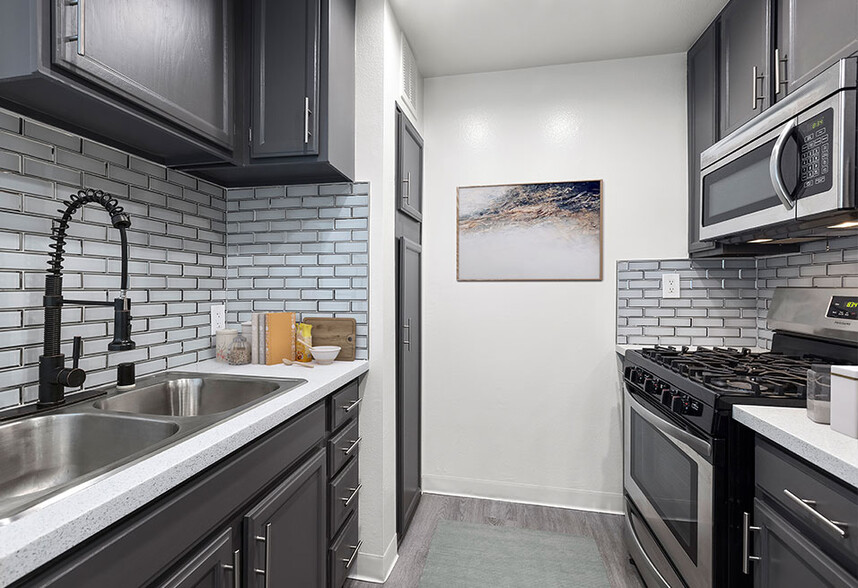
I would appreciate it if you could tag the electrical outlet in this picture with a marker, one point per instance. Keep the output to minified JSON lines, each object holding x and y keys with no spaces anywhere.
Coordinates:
{"x":218,"y":317}
{"x":670,"y":286}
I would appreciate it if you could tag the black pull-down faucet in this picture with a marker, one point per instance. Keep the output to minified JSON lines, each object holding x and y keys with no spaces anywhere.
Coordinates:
{"x":54,"y":376}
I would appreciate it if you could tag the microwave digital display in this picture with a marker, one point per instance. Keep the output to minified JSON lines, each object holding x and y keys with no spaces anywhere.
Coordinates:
{"x":815,"y":154}
{"x":843,"y":307}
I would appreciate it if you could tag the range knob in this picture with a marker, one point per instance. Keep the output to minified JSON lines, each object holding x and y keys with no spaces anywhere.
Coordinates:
{"x":679,"y":404}
{"x":667,"y":395}
{"x":652,"y":385}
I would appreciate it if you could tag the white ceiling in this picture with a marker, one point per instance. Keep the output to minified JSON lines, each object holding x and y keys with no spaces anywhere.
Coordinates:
{"x":468,"y":36}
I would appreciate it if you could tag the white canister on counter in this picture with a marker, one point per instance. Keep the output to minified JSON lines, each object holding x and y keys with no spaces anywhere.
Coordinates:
{"x":223,"y":338}
{"x":844,"y":399}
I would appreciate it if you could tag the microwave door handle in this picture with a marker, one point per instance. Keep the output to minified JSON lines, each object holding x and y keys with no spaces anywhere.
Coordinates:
{"x":775,"y":165}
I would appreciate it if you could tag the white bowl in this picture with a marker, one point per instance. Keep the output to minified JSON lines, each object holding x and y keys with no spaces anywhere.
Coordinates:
{"x":325,"y":354}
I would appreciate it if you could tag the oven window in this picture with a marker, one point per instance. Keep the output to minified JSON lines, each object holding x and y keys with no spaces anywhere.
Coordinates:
{"x":668,"y":478}
{"x":744,"y":185}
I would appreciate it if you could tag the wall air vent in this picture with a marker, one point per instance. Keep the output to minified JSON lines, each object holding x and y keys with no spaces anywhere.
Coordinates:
{"x":409,"y":77}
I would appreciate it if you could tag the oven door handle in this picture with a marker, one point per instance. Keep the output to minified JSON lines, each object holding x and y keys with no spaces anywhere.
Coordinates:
{"x":775,"y":165}
{"x":695,"y":443}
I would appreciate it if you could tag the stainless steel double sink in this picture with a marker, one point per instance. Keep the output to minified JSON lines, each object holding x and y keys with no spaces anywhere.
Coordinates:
{"x":46,"y":456}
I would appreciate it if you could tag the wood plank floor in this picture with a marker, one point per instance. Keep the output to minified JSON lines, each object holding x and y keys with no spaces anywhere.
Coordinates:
{"x":605,"y":529}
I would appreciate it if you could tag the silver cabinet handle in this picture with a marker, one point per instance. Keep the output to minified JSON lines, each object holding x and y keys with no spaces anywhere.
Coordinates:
{"x":351,"y":559}
{"x":267,"y":540}
{"x":757,"y":98}
{"x":407,"y":195}
{"x":352,"y":405}
{"x":307,"y":113}
{"x":235,"y":568}
{"x":775,"y":165}
{"x":80,"y":37}
{"x":406,"y":335}
{"x":806,"y":506}
{"x":353,"y":446}
{"x":778,"y":80}
{"x":355,"y":492}
{"x":747,"y":558}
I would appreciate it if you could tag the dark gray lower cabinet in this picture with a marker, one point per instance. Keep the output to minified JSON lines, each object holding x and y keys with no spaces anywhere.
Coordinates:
{"x":286,"y":534}
{"x":408,"y":401}
{"x":789,"y":559}
{"x":258,"y":518}
{"x":216,"y":565}
{"x":804,"y":524}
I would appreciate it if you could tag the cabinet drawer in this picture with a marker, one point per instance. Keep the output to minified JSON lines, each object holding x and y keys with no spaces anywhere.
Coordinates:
{"x":344,"y":405}
{"x":786,"y":481}
{"x":342,"y":446}
{"x":344,"y":492}
{"x":343,"y":552}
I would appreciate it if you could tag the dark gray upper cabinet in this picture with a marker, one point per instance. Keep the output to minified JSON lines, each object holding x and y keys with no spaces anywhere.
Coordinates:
{"x":702,"y":123}
{"x":409,"y":168}
{"x":810,"y":37}
{"x":286,"y":533}
{"x":745,"y":80}
{"x":215,"y":565}
{"x":285,"y":77}
{"x":152,"y":79}
{"x":299,"y":122}
{"x":172,"y":58}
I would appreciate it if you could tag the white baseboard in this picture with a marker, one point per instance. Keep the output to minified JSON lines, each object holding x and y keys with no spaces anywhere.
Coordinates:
{"x":376,"y":568}
{"x":607,"y":502}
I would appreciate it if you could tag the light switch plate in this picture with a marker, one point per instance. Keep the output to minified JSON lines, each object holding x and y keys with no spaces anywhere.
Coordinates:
{"x":218,"y":317}
{"x":670,"y":286}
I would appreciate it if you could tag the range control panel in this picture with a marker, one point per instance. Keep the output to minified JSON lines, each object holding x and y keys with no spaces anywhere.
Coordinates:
{"x":843,"y":307}
{"x":814,"y":141}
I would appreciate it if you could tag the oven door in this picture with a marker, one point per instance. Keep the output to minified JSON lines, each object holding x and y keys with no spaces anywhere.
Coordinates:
{"x":668,"y":477}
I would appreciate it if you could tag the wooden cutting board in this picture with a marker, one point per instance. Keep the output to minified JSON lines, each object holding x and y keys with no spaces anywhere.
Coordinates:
{"x":335,"y":331}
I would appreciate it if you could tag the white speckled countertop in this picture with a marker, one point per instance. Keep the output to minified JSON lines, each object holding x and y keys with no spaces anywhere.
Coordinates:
{"x":44,"y":533}
{"x":790,"y":428}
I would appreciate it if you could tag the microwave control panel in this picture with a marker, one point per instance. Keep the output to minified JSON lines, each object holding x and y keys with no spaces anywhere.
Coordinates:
{"x":815,"y":153}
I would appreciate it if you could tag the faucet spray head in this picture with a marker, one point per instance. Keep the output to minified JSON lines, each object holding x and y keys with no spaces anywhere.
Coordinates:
{"x":121,"y":326}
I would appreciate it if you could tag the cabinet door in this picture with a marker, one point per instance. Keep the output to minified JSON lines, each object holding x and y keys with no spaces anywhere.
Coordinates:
{"x":409,"y":168}
{"x":173,"y":58}
{"x":285,"y":78}
{"x":744,"y":51}
{"x":811,"y":37}
{"x":286,"y":533}
{"x":408,"y":404}
{"x":702,"y":123}
{"x":215,"y":565}
{"x":788,"y":559}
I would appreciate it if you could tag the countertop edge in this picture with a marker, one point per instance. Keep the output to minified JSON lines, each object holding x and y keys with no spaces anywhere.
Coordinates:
{"x":46,"y":533}
{"x":832,"y":452}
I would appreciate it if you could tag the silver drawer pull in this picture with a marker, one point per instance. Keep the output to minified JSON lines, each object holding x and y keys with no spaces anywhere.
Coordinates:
{"x":354,"y":491}
{"x":353,"y":446}
{"x":352,"y":405}
{"x":838,"y":529}
{"x":351,"y":559}
{"x":235,"y":567}
{"x":267,"y":540}
{"x":747,"y":558}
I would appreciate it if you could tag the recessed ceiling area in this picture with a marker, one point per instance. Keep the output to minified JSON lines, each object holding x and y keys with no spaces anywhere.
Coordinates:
{"x":468,"y":36}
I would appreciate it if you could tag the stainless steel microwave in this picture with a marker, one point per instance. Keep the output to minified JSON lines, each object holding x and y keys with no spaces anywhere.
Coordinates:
{"x":790,"y":171}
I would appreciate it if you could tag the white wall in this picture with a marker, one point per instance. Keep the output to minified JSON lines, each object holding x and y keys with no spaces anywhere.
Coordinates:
{"x":377,"y":62}
{"x":520,"y":395}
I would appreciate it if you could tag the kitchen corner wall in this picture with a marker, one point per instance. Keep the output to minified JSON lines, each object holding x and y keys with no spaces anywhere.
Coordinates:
{"x":723,"y":301}
{"x":302,"y":249}
{"x":521,"y":399}
{"x":177,"y":256}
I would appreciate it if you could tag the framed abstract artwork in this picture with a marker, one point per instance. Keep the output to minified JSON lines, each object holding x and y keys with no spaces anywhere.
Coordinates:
{"x":523,"y":232}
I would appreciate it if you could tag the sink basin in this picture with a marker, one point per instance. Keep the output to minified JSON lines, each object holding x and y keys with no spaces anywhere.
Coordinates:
{"x":190,"y":396}
{"x":46,"y":452}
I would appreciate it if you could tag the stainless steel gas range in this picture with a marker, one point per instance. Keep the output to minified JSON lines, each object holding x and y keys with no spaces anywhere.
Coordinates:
{"x":688,"y":467}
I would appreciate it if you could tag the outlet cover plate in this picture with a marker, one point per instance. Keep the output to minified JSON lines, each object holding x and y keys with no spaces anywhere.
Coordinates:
{"x":670,"y":286}
{"x":218,"y":317}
